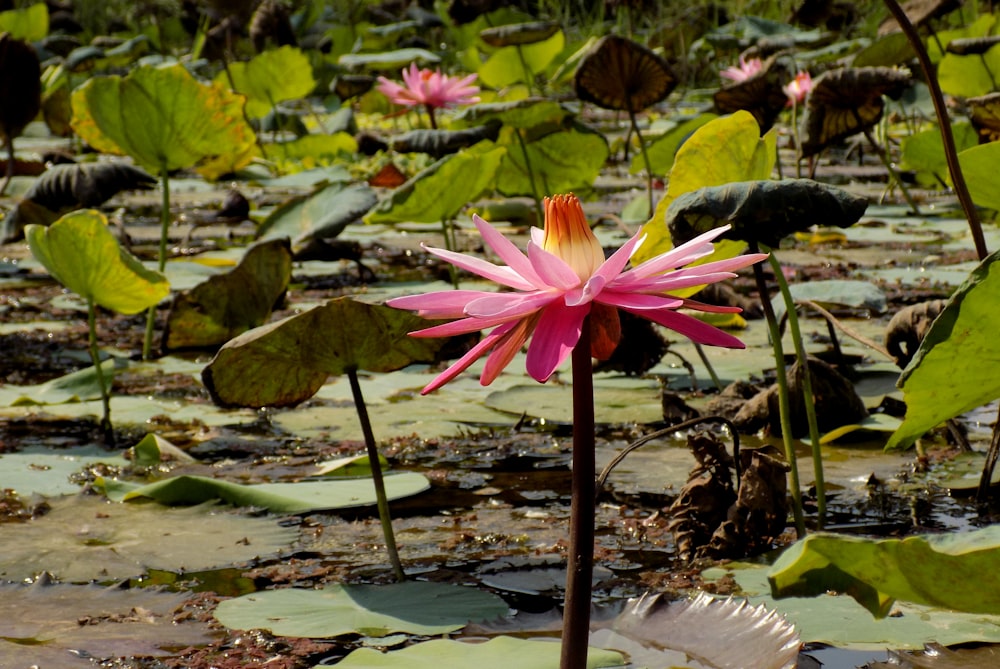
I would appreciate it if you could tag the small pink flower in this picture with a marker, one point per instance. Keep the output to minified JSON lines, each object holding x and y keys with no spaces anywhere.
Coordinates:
{"x":798,"y":88}
{"x":563,"y":278}
{"x":429,"y":88}
{"x":747,"y":69}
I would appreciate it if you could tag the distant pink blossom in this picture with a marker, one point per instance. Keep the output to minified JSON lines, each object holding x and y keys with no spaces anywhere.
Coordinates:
{"x":746,"y":69}
{"x":798,"y":88}
{"x":563,"y":279}
{"x":429,"y":88}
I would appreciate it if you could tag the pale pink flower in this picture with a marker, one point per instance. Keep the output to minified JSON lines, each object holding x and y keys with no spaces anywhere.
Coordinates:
{"x":562,"y":279}
{"x":798,"y":88}
{"x":747,"y":69}
{"x":429,"y":88}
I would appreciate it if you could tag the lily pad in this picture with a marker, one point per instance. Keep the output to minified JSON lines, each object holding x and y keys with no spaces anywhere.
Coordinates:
{"x":388,"y":59}
{"x":42,"y":471}
{"x":836,"y":293}
{"x":84,"y":539}
{"x":564,"y":161}
{"x":270,"y":77}
{"x":413,"y":607}
{"x":554,"y":404}
{"x":76,"y":386}
{"x":323,"y":213}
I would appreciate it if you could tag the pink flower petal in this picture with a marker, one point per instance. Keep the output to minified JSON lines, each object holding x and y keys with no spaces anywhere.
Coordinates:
{"x":552,"y":269}
{"x":505,"y":351}
{"x":692,"y":328}
{"x":463,"y":363}
{"x":556,"y":335}
{"x":508,"y":252}
{"x":440,"y":304}
{"x":508,"y":305}
{"x":711,"y":308}
{"x":463,"y":326}
{"x":686,"y":253}
{"x":638,"y":301}
{"x":501,"y":274}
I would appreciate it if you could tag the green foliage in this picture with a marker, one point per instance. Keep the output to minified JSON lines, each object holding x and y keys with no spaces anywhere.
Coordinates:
{"x":162,"y":117}
{"x":388,"y":60}
{"x":559,"y":162}
{"x":81,"y":253}
{"x":324,"y":213}
{"x":270,"y":77}
{"x":924,"y":153}
{"x":29,"y":24}
{"x":661,"y":151}
{"x":980,"y":165}
{"x":522,"y":114}
{"x":969,"y":76}
{"x":944,"y":571}
{"x":954,"y":368}
{"x":513,"y":64}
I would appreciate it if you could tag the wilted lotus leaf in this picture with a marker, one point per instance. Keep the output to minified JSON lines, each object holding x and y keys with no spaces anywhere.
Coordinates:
{"x":832,"y":14}
{"x":284,"y":363}
{"x":438,"y":143}
{"x":920,"y":12}
{"x":348,"y":86}
{"x":984,"y":113}
{"x":622,"y":74}
{"x":972,"y":46}
{"x":516,"y":34}
{"x":847,"y":101}
{"x":762,"y":211}
{"x":228,"y":304}
{"x":762,"y":94}
{"x":20,"y":86}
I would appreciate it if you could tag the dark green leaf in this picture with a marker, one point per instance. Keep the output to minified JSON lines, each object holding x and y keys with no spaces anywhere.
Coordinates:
{"x":514,"y":34}
{"x":522,"y":114}
{"x":440,"y":143}
{"x":321,"y":214}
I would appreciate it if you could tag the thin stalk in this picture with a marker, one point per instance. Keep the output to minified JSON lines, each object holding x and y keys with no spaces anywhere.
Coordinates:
{"x":708,"y":365}
{"x":531,"y":176}
{"x":580,"y":567}
{"x":528,"y":77}
{"x":986,"y":478}
{"x":797,"y":139}
{"x":448,"y":232}
{"x":147,"y":342}
{"x":645,"y":160}
{"x":430,"y":115}
{"x":944,"y":126}
{"x":784,"y":406}
{"x":380,"y":496}
{"x":893,"y":174}
{"x":808,"y":399}
{"x":95,"y":357}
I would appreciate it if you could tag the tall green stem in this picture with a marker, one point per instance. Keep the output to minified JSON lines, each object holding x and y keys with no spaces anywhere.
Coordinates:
{"x":808,"y":399}
{"x":531,"y":176}
{"x":580,"y":567}
{"x":95,"y":357}
{"x":784,"y":405}
{"x":645,"y":160}
{"x":147,"y":343}
{"x":373,"y":460}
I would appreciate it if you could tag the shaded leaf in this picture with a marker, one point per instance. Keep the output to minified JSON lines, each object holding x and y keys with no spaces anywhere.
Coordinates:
{"x":936,"y":656}
{"x":439,"y":143}
{"x":953,"y":370}
{"x":622,"y":74}
{"x":762,"y":94}
{"x":162,"y":117}
{"x":498,"y":653}
{"x":984,"y":113}
{"x":270,"y":77}
{"x":513,"y":64}
{"x":20,"y":85}
{"x":275,"y":497}
{"x":942,"y":570}
{"x":521,"y":114}
{"x":763,"y":211}
{"x":81,"y":253}
{"x":513,"y":34}
{"x":755,"y":637}
{"x":412,"y":607}
{"x":228,"y":304}
{"x":323,"y":213}
{"x":886,"y":51}
{"x":439,"y":192}
{"x":559,"y":162}
{"x":286,"y":362}
{"x":972,"y":46}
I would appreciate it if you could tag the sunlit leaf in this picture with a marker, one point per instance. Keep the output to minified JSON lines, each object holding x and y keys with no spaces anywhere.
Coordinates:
{"x":154,"y":449}
{"x":227,"y":304}
{"x":564,"y":161}
{"x":162,"y":117}
{"x":312,"y":150}
{"x":513,"y":64}
{"x":953,"y":370}
{"x":81,"y":253}
{"x":286,"y":362}
{"x":271,"y":77}
{"x":413,"y":607}
{"x":943,"y":570}
{"x":29,"y":24}
{"x":439,"y":192}
{"x":321,"y":214}
{"x":979,"y":167}
{"x":969,"y":75}
{"x":722,"y":151}
{"x":924,"y":152}
{"x":661,"y":151}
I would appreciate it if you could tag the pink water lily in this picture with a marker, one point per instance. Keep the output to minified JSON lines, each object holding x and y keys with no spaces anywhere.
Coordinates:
{"x":798,"y":88}
{"x":746,"y":69}
{"x":563,"y":278}
{"x":429,"y":88}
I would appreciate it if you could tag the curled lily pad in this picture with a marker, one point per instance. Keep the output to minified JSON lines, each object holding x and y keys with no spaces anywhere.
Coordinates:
{"x":972,"y":46}
{"x":324,"y":213}
{"x":514,"y":34}
{"x":762,"y":94}
{"x":763,"y":211}
{"x":439,"y":143}
{"x":622,"y":74}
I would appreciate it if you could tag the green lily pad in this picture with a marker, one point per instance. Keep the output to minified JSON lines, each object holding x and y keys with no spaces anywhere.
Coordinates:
{"x":81,"y":253}
{"x":163,"y":117}
{"x":29,"y":24}
{"x":413,"y":607}
{"x":270,"y":77}
{"x":313,"y":150}
{"x":979,"y":166}
{"x":513,"y":64}
{"x":76,"y":386}
{"x":554,"y":404}
{"x":569,"y":160}
{"x":498,"y":653}
{"x":37,"y":470}
{"x":276,"y":497}
{"x":324,"y":213}
{"x":228,"y":304}
{"x":521,"y":114}
{"x":953,"y":370}
{"x":835,"y":293}
{"x":661,"y":151}
{"x":940,"y":570}
{"x":154,"y":449}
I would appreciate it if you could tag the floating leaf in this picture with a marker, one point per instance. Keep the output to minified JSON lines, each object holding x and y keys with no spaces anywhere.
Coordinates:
{"x":498,"y":653}
{"x":323,"y":213}
{"x":285,"y":363}
{"x":84,"y":539}
{"x":412,"y":607}
{"x":275,"y":497}
{"x":77,"y":386}
{"x":722,"y":151}
{"x":439,"y":192}
{"x":762,"y":94}
{"x":42,"y":471}
{"x":270,"y":77}
{"x":624,"y":75}
{"x":513,"y":34}
{"x":228,"y":304}
{"x":438,"y":143}
{"x":764,"y":211}
{"x":162,"y":117}
{"x":154,"y":449}
{"x":943,"y":570}
{"x":81,"y":253}
{"x":835,"y":293}
{"x":953,"y":371}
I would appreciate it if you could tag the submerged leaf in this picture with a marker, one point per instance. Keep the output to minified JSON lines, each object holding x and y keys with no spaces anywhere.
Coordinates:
{"x":412,"y":607}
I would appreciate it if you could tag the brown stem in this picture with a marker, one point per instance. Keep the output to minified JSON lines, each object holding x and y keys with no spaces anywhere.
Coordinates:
{"x":580,"y":567}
